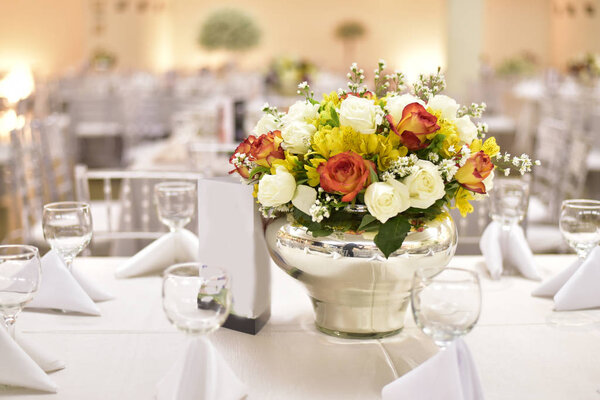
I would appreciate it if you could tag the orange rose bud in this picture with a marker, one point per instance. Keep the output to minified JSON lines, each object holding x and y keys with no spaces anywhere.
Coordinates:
{"x":416,"y":123}
{"x":267,"y":148}
{"x":243,"y":148}
{"x":471,"y":175}
{"x":346,"y":173}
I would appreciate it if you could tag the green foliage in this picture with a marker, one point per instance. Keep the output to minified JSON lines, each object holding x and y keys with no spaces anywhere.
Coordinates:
{"x":229,"y":29}
{"x":392,"y":234}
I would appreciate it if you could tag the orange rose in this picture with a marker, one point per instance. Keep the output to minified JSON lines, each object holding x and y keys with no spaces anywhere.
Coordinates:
{"x":415,"y":125}
{"x":345,"y":173}
{"x":243,"y":148}
{"x":267,"y":148}
{"x":471,"y":175}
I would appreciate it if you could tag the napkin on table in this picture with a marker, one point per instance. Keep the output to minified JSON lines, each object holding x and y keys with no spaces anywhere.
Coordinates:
{"x":501,"y":248}
{"x":60,"y":290}
{"x":576,"y":287}
{"x":200,"y":374}
{"x":179,"y":246}
{"x":448,"y":375}
{"x":19,"y":369}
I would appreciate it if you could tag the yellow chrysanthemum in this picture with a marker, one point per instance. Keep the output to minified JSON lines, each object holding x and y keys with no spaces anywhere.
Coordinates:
{"x":329,"y":141}
{"x":311,"y":171}
{"x":388,"y":151}
{"x":461,"y":201}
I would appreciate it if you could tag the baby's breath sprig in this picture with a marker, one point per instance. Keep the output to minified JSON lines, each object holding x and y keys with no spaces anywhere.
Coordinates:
{"x":482,"y":130}
{"x":356,"y":76}
{"x":429,"y":85}
{"x":398,"y":80}
{"x":267,"y":109}
{"x":381,"y":83}
{"x":474,"y":110}
{"x":304,"y":90}
{"x":522,"y":163}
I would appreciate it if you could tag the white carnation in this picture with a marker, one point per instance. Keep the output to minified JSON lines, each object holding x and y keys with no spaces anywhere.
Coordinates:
{"x":278,"y":189}
{"x":425,"y":185}
{"x":296,"y":136}
{"x":265,"y":125}
{"x":301,"y":111}
{"x":447,"y":106}
{"x":395,"y":105}
{"x":385,"y":200}
{"x":360,"y":114}
{"x":467,"y":131}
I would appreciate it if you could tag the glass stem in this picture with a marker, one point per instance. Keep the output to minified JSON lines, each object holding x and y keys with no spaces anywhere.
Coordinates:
{"x":69,"y":263}
{"x":9,"y":322}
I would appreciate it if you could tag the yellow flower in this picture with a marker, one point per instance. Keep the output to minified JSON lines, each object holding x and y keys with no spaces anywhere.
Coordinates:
{"x":448,"y":129}
{"x":255,"y":192}
{"x":333,"y":98}
{"x":329,"y":141}
{"x":291,"y":163}
{"x":461,"y":201}
{"x":490,"y":147}
{"x":388,"y":151}
{"x":311,"y":171}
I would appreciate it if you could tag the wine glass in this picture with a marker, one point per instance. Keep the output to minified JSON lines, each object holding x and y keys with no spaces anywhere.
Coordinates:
{"x":67,"y":228}
{"x":508,"y":201}
{"x":196,"y":297}
{"x":446,"y":302}
{"x":20,"y":275}
{"x":579,"y":223}
{"x":175,"y":203}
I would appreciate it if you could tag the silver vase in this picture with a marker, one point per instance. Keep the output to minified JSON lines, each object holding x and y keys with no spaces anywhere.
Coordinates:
{"x":356,"y":292}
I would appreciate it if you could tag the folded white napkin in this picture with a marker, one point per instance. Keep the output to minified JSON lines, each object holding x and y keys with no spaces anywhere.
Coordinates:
{"x":17,"y":368}
{"x":502,"y":248}
{"x":448,"y":375}
{"x":41,"y":356}
{"x":200,"y":374}
{"x":60,"y":290}
{"x":172,"y":248}
{"x":576,"y":287}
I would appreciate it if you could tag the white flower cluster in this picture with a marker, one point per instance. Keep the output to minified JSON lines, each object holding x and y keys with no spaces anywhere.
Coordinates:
{"x":429,"y":85}
{"x":272,"y":212}
{"x":448,"y":168}
{"x":523,"y":163}
{"x":400,"y":168}
{"x":465,"y":153}
{"x":322,"y":207}
{"x":241,"y":160}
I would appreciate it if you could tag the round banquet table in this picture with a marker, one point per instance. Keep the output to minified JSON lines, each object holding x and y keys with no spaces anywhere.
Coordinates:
{"x":522,"y":348}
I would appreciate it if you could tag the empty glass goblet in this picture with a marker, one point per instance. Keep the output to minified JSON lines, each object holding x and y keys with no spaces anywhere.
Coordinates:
{"x":20,"y":275}
{"x":67,"y":228}
{"x":446,"y":302}
{"x":175,"y":203}
{"x":196,"y":297}
{"x":508,"y":201}
{"x":579,"y":223}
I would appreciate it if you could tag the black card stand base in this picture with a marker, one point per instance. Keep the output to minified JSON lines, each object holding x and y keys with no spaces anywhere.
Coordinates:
{"x":247,"y":325}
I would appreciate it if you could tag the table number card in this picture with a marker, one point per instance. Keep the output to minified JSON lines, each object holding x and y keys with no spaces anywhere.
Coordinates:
{"x":231,"y":236}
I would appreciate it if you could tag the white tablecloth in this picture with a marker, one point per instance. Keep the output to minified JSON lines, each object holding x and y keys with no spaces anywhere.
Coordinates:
{"x":522,"y":348}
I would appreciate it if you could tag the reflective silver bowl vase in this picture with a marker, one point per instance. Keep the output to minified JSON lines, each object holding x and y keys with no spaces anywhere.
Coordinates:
{"x":356,"y":292}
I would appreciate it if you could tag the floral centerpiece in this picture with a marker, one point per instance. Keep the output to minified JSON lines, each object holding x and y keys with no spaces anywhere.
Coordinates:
{"x":404,"y":153}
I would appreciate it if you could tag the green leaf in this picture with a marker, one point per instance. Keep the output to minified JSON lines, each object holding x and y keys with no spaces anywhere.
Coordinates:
{"x":258,"y":170}
{"x":392,"y":234}
{"x":367,"y":220}
{"x":312,"y":101}
{"x":373,"y":175}
{"x":334,"y":117}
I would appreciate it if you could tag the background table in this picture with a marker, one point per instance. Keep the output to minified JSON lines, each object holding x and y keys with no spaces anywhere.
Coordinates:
{"x":522,"y":348}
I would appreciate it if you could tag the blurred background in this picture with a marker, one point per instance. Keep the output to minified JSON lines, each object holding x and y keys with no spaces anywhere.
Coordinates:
{"x":171,"y":85}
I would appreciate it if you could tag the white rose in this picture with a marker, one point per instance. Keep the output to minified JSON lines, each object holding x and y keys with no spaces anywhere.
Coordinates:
{"x":302,"y":111}
{"x":360,"y":114}
{"x":266,"y":124}
{"x":445,"y":104}
{"x":296,"y":136}
{"x":395,"y":105}
{"x":467,"y":131}
{"x":304,"y":198}
{"x":385,"y":200}
{"x":278,"y":189}
{"x":425,"y":186}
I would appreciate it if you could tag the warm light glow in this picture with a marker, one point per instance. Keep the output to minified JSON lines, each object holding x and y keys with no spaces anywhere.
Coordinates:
{"x":8,"y":122}
{"x":17,"y":84}
{"x":425,"y":61}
